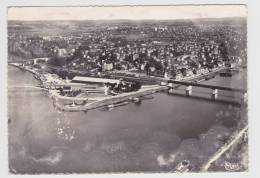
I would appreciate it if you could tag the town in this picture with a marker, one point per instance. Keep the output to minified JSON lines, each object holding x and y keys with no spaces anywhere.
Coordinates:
{"x":165,"y":49}
{"x":139,"y":53}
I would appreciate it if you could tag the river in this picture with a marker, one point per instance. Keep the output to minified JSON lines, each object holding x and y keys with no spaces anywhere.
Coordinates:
{"x":142,"y":137}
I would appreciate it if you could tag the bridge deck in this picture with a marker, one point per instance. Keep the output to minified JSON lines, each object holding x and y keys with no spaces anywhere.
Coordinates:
{"x":207,"y":86}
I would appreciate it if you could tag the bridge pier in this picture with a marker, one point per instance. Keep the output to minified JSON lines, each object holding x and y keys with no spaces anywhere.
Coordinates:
{"x":214,"y":93}
{"x":189,"y":90}
{"x":170,"y":85}
{"x":35,"y":61}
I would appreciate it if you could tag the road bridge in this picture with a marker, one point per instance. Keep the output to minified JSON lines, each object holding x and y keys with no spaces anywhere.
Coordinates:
{"x":207,"y":86}
{"x":214,"y":88}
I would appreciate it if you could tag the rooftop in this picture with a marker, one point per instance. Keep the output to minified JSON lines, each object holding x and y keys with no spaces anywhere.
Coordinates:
{"x":94,"y":80}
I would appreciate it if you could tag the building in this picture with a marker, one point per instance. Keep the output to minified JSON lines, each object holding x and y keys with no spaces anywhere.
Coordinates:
{"x":93,"y":80}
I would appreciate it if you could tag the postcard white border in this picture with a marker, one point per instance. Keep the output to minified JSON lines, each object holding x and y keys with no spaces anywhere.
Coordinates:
{"x":253,"y":79}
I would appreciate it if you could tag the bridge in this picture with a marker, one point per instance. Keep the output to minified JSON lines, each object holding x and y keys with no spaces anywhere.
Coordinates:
{"x":214,"y":88}
{"x":207,"y":86}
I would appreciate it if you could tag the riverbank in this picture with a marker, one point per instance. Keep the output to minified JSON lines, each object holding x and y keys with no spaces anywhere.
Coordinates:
{"x":96,"y":102}
{"x":24,"y":68}
{"x":49,"y":81}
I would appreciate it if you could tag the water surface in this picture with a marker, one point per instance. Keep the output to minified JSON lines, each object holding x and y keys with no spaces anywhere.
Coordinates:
{"x":128,"y":138}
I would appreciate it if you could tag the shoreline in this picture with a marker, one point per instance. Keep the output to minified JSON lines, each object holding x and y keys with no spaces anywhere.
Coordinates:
{"x":96,"y":102}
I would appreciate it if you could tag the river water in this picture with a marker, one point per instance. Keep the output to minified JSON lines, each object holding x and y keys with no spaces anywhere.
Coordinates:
{"x":142,"y":137}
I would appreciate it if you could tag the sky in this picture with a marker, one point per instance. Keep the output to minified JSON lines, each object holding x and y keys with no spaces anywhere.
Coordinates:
{"x":126,"y":12}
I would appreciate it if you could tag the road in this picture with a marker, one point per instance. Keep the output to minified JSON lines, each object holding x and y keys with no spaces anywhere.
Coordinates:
{"x":145,"y":78}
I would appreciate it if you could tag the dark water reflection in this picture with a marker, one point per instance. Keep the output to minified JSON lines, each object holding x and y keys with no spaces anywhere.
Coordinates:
{"x":128,"y":138}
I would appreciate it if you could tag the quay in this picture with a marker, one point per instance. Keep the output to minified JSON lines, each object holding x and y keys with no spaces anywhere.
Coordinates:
{"x":96,"y":102}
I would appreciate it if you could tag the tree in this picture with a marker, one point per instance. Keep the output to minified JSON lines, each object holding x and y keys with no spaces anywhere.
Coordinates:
{"x":184,"y":71}
{"x":63,"y":74}
{"x":173,"y":72}
{"x":57,"y":61}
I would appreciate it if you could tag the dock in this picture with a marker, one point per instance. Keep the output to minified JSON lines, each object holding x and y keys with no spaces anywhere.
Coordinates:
{"x":96,"y":102}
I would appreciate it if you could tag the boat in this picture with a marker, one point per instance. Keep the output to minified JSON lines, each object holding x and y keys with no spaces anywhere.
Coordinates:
{"x":209,"y":77}
{"x":136,"y":100}
{"x":201,"y":80}
{"x":117,"y":104}
{"x":147,"y":97}
{"x":225,"y":74}
{"x":73,"y":104}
